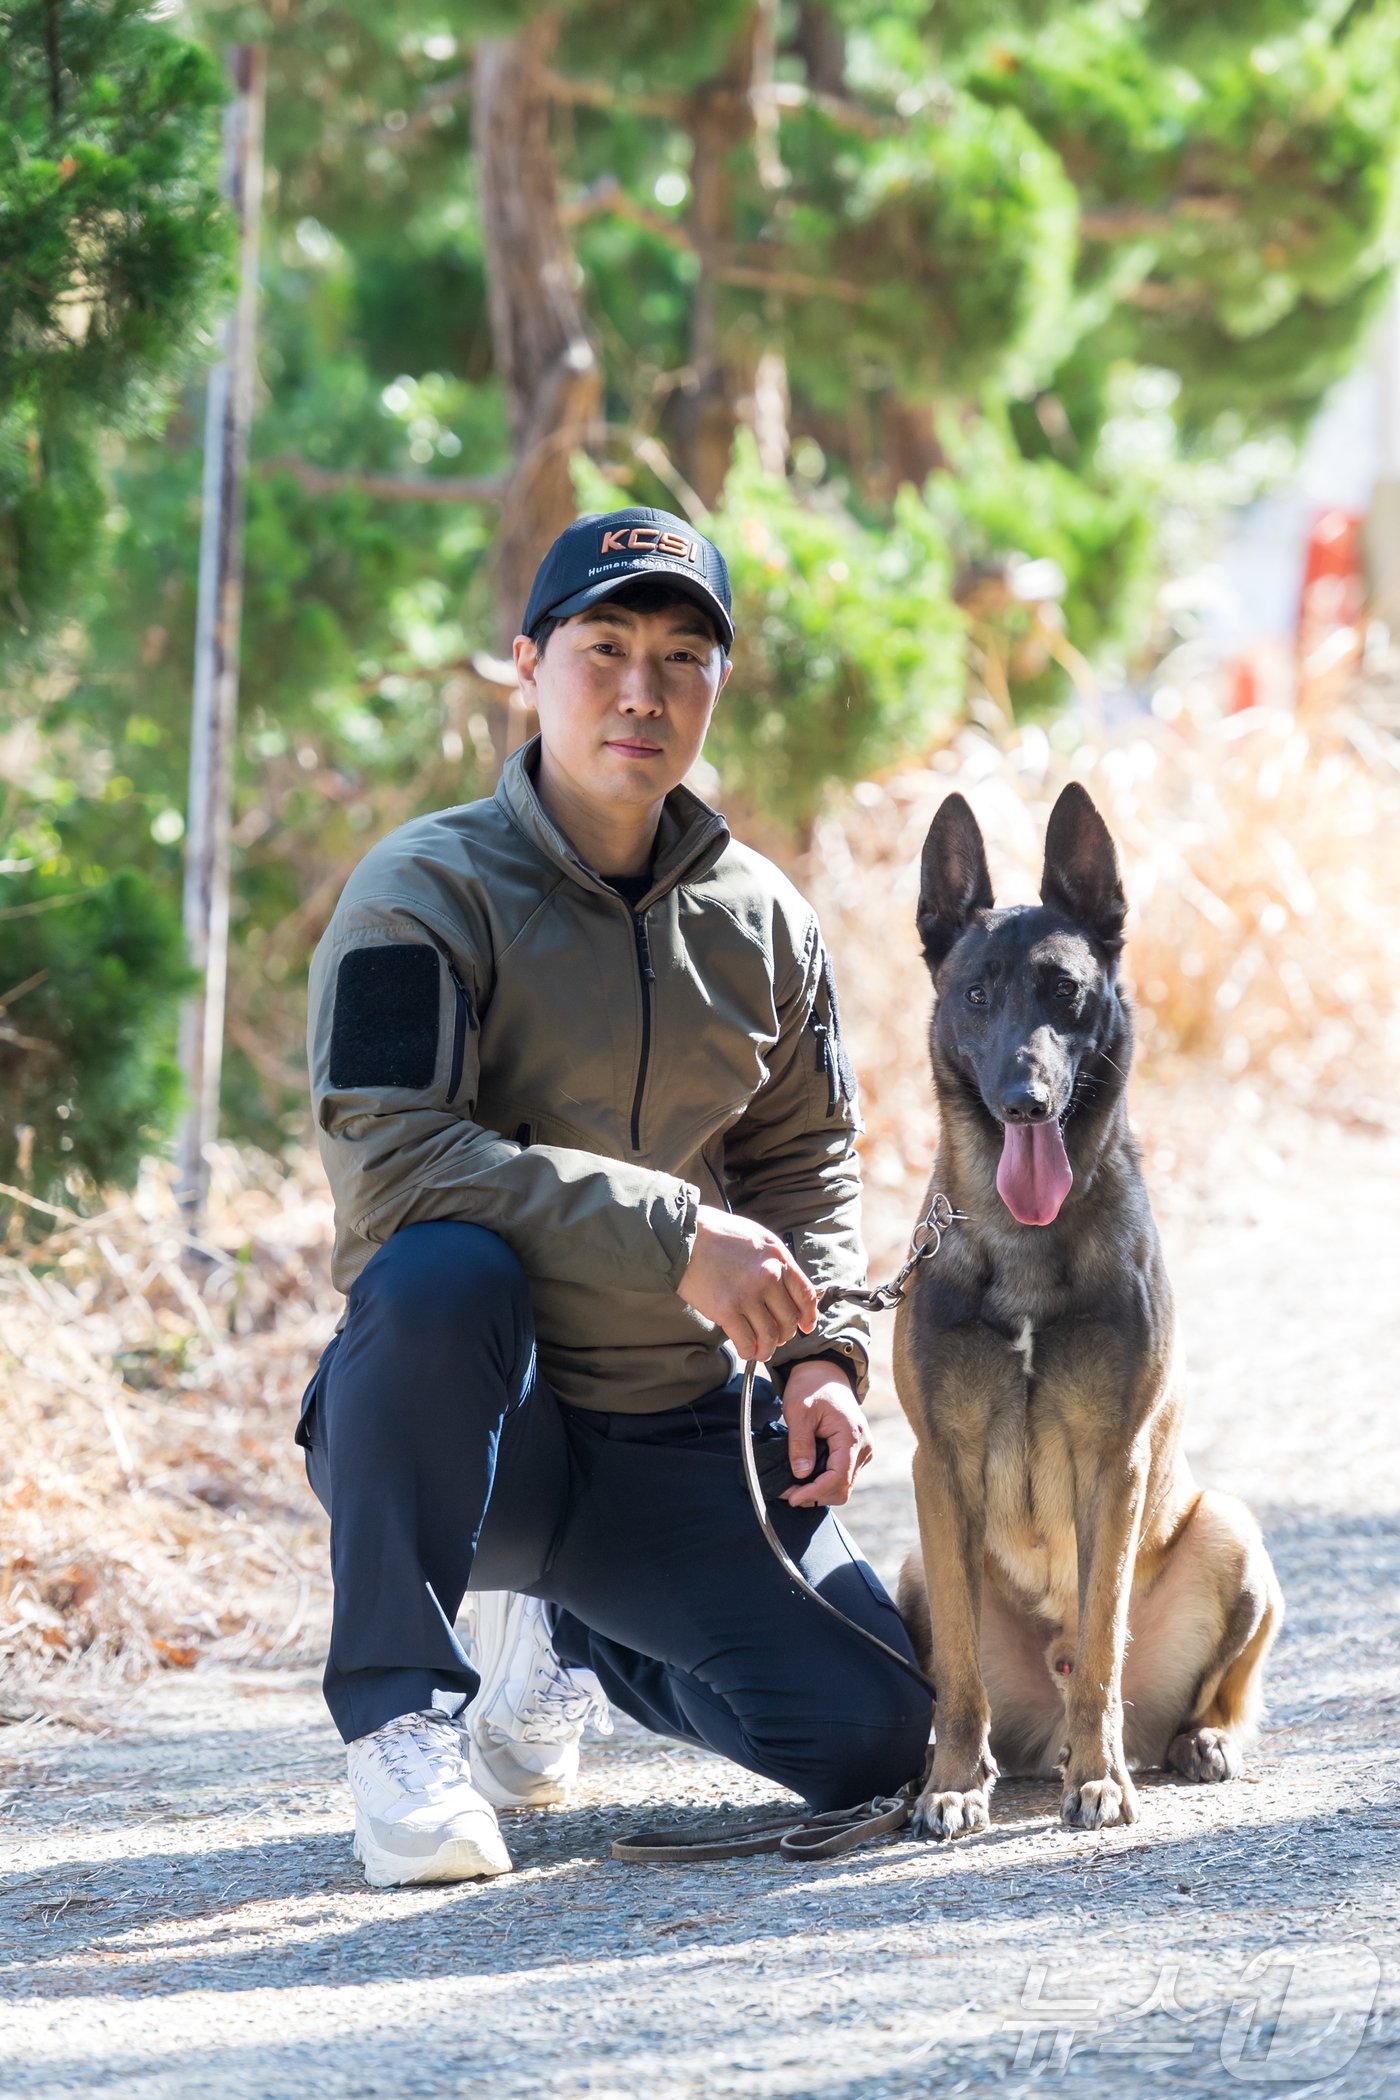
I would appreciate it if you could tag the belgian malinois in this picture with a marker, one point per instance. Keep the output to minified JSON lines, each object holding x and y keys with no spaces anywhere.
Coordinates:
{"x":1081,"y":1604}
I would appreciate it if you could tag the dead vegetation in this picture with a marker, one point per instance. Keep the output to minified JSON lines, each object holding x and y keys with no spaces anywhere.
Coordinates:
{"x":1262,"y":859}
{"x":153,"y":1509}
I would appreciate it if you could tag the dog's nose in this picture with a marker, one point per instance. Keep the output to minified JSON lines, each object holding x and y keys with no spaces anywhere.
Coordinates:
{"x":1026,"y":1102}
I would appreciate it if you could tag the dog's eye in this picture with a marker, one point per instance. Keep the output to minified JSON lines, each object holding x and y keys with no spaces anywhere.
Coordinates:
{"x":976,"y":995}
{"x":1066,"y":988}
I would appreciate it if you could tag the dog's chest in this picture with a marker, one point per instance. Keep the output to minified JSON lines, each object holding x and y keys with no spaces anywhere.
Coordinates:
{"x":1025,"y":1290}
{"x":1030,"y":1495}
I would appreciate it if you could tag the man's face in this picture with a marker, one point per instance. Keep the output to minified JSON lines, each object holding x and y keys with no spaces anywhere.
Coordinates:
{"x":624,"y":699}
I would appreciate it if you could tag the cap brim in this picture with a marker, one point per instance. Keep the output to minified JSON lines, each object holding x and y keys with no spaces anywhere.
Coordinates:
{"x":684,"y":587}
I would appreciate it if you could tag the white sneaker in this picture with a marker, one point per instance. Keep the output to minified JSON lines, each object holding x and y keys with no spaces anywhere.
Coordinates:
{"x":417,"y":1815}
{"x":526,"y":1721}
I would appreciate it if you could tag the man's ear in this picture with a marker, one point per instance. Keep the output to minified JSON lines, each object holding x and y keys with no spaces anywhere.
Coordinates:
{"x":527,"y":658}
{"x":1081,"y":878}
{"x":954,"y":884}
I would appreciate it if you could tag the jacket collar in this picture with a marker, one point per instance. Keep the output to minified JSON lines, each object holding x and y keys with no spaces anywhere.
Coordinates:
{"x":689,"y":838}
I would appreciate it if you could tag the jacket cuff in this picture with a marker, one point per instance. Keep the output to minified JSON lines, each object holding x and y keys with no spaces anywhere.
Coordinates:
{"x":848,"y":1347}
{"x":675,"y":1220}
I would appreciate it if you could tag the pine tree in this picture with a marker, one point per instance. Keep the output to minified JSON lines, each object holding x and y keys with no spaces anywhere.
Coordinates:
{"x":111,"y":244}
{"x":880,"y":284}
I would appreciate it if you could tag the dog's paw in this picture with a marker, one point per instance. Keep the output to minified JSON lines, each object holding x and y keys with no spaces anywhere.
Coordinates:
{"x":951,"y":1815}
{"x":1094,"y":1804}
{"x":1207,"y":1755}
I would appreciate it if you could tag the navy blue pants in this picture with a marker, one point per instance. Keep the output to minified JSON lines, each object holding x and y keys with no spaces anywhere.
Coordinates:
{"x":446,"y":1463}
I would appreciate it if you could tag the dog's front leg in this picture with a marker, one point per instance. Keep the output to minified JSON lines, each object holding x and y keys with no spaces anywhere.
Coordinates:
{"x":1108,"y":1505}
{"x":948,"y":1494}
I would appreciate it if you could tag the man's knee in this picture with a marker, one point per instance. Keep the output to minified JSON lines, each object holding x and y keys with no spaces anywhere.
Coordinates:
{"x":425,"y":1277}
{"x":876,"y":1749}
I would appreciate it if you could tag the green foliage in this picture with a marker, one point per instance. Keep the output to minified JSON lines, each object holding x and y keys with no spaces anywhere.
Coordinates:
{"x":847,"y":650}
{"x":961,"y":235}
{"x":112,"y":241}
{"x":1063,"y":235}
{"x":1252,"y":190}
{"x":993,"y":503}
{"x":91,"y":967}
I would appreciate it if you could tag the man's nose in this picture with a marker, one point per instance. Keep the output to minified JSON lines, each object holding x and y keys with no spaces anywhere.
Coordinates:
{"x":641,"y":688}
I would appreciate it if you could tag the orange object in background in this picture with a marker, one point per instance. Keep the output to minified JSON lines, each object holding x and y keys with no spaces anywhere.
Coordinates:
{"x":1241,"y":687}
{"x":1334,"y":577}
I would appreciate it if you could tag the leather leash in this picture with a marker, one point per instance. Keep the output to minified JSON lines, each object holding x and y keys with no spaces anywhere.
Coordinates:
{"x":834,"y":1830}
{"x":823,"y":1836}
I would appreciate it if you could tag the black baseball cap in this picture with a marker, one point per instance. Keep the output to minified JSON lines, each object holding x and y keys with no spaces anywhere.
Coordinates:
{"x":596,"y":555}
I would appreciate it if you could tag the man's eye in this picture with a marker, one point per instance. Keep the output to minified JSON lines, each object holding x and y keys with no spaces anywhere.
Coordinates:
{"x":976,"y":995}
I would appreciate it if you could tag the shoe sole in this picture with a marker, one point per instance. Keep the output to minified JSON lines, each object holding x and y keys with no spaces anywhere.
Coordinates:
{"x":549,"y":1793}
{"x":457,"y":1859}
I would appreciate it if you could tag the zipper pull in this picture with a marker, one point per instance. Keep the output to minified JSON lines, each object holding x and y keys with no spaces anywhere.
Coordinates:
{"x":463,"y":996}
{"x":643,"y":950}
{"x":826,"y":1061}
{"x":461,"y":1020}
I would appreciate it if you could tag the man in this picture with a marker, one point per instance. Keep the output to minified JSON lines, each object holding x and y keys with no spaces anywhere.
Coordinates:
{"x":590,"y":1131}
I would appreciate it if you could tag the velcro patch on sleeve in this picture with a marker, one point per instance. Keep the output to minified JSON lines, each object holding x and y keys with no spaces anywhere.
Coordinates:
{"x":384,"y":1031}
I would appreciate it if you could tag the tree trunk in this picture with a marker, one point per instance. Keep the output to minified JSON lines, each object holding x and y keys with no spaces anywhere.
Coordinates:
{"x":718,"y":395}
{"x":228,"y":421}
{"x":542,"y":347}
{"x":819,"y":39}
{"x":912,"y":450}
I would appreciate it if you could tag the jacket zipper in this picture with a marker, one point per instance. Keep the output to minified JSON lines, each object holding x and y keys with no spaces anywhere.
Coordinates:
{"x":826,"y":1061}
{"x":459,"y":1034}
{"x":648,"y":977}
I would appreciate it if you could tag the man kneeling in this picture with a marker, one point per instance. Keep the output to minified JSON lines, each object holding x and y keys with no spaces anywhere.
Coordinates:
{"x":581,"y":1097}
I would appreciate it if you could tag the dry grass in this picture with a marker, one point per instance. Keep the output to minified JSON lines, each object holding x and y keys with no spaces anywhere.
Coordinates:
{"x":1262,"y":860}
{"x":153,"y":1509}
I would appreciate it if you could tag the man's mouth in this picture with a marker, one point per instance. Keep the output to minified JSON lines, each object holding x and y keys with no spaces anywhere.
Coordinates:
{"x":634,"y":747}
{"x":1034,"y":1175}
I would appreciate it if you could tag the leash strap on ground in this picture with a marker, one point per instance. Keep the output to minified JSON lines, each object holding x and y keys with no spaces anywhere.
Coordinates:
{"x":823,"y":1836}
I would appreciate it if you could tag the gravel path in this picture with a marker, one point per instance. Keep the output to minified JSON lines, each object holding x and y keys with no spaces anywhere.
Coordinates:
{"x":180,"y":1912}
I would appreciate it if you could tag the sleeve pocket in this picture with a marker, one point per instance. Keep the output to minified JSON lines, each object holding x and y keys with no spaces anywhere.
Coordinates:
{"x":384,"y":1028}
{"x":832,"y":1060}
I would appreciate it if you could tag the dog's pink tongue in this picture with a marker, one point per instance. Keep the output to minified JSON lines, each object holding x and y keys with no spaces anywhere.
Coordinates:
{"x":1035,"y":1174}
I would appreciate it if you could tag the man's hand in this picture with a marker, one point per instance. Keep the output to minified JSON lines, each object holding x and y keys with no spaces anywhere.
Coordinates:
{"x":820,"y":1401}
{"x":743,"y":1278}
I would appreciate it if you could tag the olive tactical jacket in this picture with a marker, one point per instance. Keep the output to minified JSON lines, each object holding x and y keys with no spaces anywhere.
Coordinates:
{"x":497,"y":1036}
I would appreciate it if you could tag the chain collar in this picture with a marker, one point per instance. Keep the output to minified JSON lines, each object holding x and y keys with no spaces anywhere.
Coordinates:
{"x":925,"y":1243}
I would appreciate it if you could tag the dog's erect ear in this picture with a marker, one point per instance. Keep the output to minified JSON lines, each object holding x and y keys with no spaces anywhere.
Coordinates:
{"x":1081,"y":877}
{"x":954,"y":884}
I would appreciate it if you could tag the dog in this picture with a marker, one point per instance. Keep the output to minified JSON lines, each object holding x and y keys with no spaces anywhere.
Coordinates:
{"x":1082,"y":1606}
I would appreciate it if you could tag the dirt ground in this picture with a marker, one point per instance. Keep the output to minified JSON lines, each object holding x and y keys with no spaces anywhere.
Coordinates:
{"x":181,"y":1911}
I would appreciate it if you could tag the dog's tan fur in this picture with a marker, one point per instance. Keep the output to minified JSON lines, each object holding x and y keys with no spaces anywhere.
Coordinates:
{"x":1081,"y":1604}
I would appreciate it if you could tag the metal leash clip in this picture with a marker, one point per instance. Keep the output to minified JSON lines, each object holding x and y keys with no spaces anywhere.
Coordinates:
{"x":923,"y":1246}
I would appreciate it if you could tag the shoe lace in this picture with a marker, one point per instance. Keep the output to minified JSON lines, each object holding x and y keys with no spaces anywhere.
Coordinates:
{"x":423,"y":1751}
{"x":559,"y":1698}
